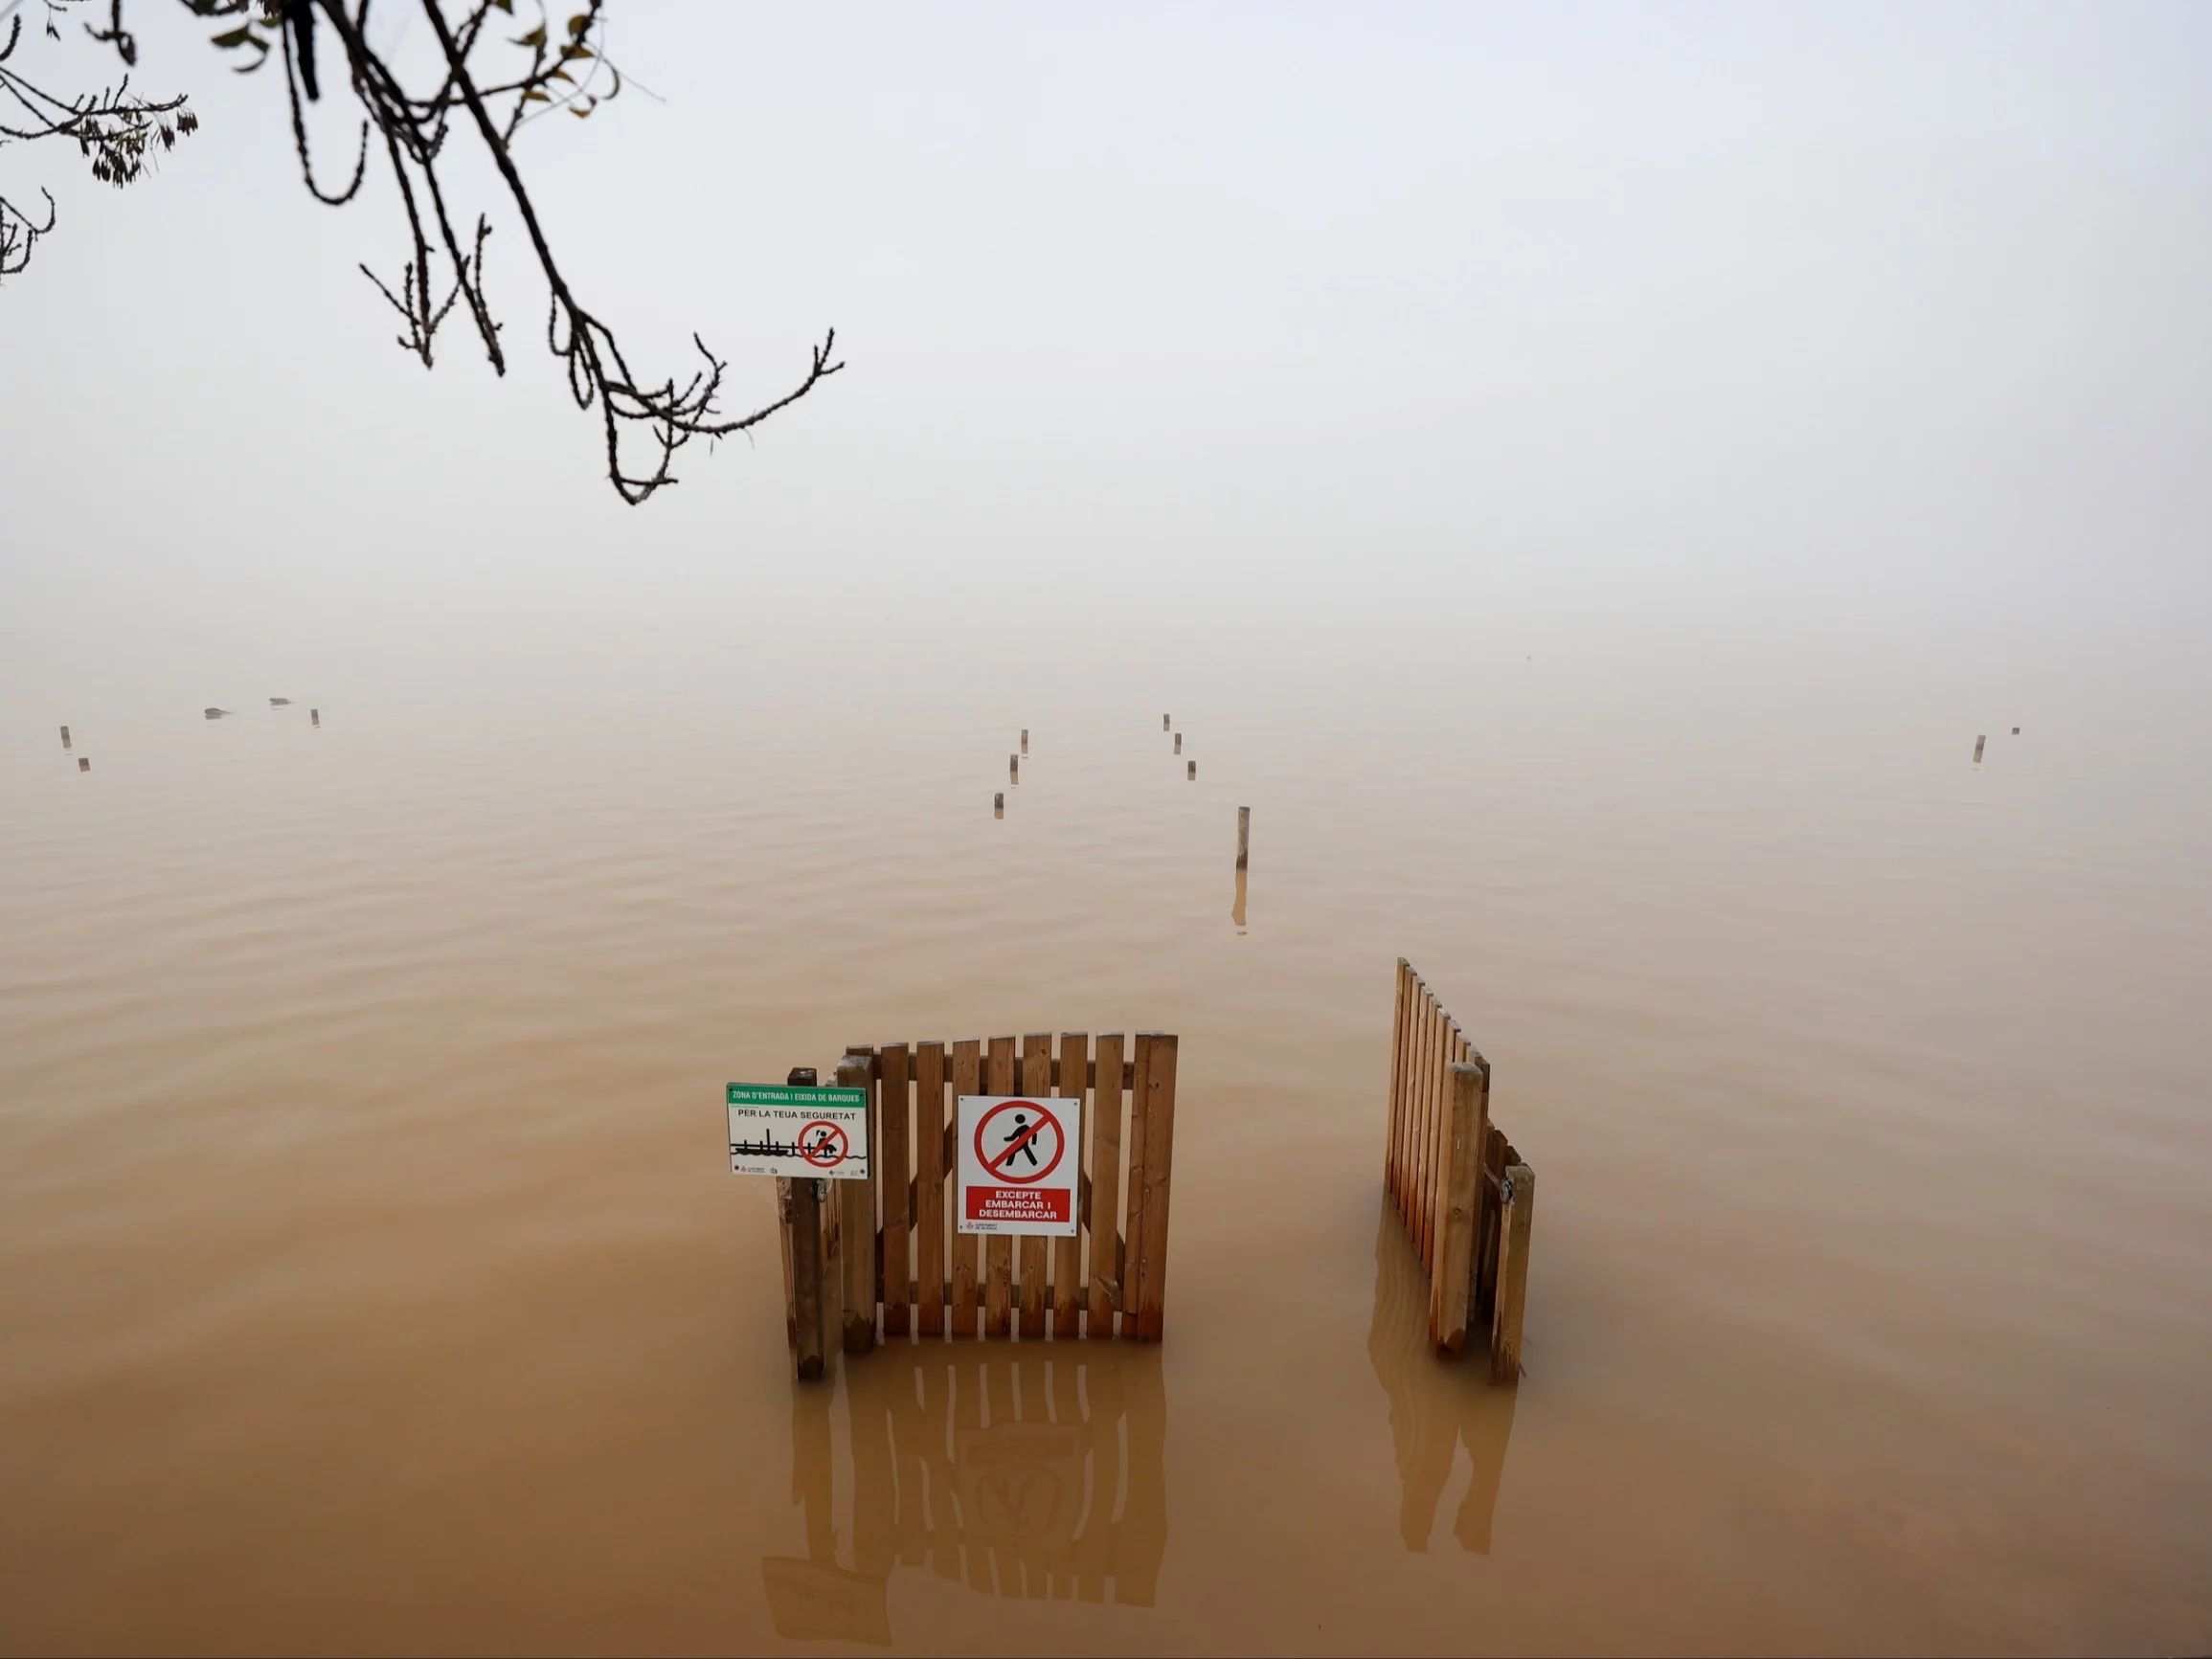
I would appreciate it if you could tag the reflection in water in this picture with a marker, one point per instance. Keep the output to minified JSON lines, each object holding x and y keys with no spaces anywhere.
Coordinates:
{"x":1035,"y":1472}
{"x":1236,"y":911}
{"x":1435,"y":1406}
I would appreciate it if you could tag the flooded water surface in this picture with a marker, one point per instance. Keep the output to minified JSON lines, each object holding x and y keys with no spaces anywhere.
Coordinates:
{"x":373,"y":1279}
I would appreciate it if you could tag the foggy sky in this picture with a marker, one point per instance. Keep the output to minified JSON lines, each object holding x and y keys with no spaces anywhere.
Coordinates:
{"x":1593,"y":317}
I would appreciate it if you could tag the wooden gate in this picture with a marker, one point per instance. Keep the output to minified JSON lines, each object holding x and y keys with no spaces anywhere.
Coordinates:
{"x":870,"y":1261}
{"x":1468,"y":1199}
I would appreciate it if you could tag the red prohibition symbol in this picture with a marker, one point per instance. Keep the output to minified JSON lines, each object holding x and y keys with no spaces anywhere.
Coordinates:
{"x":1019,"y":1138}
{"x":820,"y":1151}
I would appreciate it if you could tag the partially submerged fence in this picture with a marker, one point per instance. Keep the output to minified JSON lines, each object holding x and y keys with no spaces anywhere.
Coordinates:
{"x":1468,"y":1199}
{"x":882,"y":1259}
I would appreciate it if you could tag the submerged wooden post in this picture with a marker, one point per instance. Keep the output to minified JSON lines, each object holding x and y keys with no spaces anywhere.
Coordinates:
{"x":1978,"y":743}
{"x":800,"y":1209}
{"x":1013,"y":769}
{"x":315,"y":715}
{"x":998,"y":804}
{"x":856,"y":1227}
{"x":65,"y":735}
{"x":1192,"y":773}
{"x":1024,"y":740}
{"x":1519,"y":1218}
{"x":1164,"y":723}
{"x":83,"y":764}
{"x":1461,"y":1204}
{"x":1179,"y":743}
{"x":1243,"y":836}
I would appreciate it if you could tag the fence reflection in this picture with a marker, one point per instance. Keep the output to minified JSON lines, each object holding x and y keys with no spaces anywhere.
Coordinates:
{"x":1434,"y":1407}
{"x":1037,"y":1473}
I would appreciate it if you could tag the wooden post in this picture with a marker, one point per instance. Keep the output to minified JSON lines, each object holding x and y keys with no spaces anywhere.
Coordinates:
{"x":856,"y":1226}
{"x":1179,"y":743}
{"x":1103,"y":1214}
{"x":1513,"y":1273}
{"x":1037,"y":1085}
{"x":967,"y":1079}
{"x":1164,"y":723}
{"x":1243,"y":836}
{"x":83,"y":763}
{"x":801,"y":1209}
{"x":1068,"y":1296}
{"x":1132,"y":1266}
{"x":1013,"y":769}
{"x":1450,"y":1284}
{"x":1024,"y":740}
{"x":1978,"y":743}
{"x":892,"y":1178}
{"x":315,"y":715}
{"x":65,"y":735}
{"x":1157,"y":1081}
{"x":998,"y":804}
{"x":998,"y":1247}
{"x":1192,"y":773}
{"x":929,"y":1179}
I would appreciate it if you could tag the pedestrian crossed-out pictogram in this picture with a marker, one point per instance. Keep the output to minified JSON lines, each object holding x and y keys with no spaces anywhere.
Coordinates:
{"x":1019,"y":1165}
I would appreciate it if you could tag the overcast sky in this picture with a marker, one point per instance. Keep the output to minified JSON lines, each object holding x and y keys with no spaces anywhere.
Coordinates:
{"x":1775,"y":315}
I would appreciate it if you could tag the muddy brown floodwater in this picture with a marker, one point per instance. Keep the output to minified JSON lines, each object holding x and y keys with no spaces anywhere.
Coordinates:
{"x":372,"y":1277}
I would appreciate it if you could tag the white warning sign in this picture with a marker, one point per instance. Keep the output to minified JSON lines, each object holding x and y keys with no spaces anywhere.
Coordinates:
{"x":780,"y":1130}
{"x":1021,"y":1161}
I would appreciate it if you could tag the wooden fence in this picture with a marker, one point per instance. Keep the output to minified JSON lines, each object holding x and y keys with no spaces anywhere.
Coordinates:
{"x":1467,"y":1198}
{"x":882,"y":1259}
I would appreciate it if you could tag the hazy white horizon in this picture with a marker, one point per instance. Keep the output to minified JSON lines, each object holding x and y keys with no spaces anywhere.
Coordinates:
{"x":1607,"y":331}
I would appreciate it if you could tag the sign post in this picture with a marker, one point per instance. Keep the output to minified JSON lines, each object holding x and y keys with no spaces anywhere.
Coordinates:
{"x":1020,"y":1165}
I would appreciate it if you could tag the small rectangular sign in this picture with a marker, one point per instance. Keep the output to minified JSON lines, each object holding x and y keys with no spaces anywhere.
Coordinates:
{"x":1020,"y":1160}
{"x":775,"y":1130}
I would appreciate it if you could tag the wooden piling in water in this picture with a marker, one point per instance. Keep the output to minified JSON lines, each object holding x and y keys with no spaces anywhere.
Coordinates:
{"x":1192,"y":773}
{"x":999,"y":803}
{"x":1243,"y":836}
{"x":856,"y":1227}
{"x":1520,"y":1220}
{"x":1179,"y":743}
{"x":1013,"y":769}
{"x":65,"y":735}
{"x":1024,"y":740}
{"x":801,"y":1207}
{"x":1164,"y":723}
{"x":1156,"y":1098}
{"x":83,"y":764}
{"x":1978,"y":743}
{"x":315,"y":715}
{"x":1450,"y":1285}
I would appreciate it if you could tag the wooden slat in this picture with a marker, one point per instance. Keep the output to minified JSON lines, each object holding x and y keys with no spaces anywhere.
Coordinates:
{"x":897,"y":1066}
{"x":856,"y":1219}
{"x":1133,"y":1242}
{"x":1159,"y":1170}
{"x":1424,"y":1113}
{"x":998,"y":1249}
{"x":1448,"y":1285}
{"x":1102,"y":1216}
{"x":1513,"y":1275}
{"x":1494,"y":1162}
{"x":928,"y":1222}
{"x":1068,"y":1253}
{"x":967,"y":1079}
{"x":1037,"y":1083}
{"x":1394,"y":1164}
